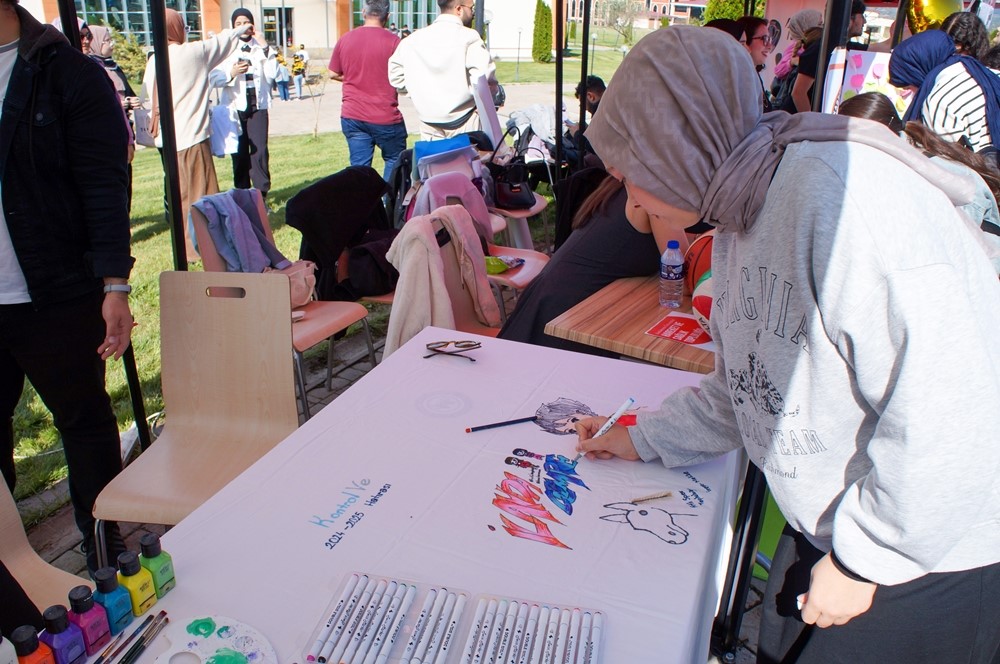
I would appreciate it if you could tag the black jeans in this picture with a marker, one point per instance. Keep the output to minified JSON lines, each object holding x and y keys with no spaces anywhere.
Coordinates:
{"x":934,"y":619}
{"x":250,"y":162}
{"x":56,"y":349}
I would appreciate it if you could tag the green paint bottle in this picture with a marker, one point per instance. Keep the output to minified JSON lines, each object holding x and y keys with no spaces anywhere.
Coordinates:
{"x":158,"y":562}
{"x":137,"y":580}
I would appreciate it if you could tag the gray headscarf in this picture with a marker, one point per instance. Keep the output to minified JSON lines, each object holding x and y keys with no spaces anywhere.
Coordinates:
{"x":682,"y":120}
{"x":801,"y":21}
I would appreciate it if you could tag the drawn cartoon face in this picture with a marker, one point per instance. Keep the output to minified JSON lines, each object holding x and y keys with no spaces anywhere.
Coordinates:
{"x":559,"y":417}
{"x":568,"y":424}
{"x":520,"y":463}
{"x":521,"y":452}
{"x":649,"y":519}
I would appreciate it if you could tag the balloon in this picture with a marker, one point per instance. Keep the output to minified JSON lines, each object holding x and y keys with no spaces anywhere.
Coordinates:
{"x":928,"y":14}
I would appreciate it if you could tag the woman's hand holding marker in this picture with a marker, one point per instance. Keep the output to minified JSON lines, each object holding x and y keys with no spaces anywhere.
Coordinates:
{"x":615,"y":443}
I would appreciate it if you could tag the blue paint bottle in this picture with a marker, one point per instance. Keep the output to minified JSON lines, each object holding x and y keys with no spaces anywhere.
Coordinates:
{"x":65,"y":638}
{"x":115,"y":599}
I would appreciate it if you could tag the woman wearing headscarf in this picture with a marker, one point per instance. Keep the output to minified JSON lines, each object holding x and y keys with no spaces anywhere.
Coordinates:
{"x":97,"y":43}
{"x":956,"y":95}
{"x":835,"y":277}
{"x":798,"y":25}
{"x":190,"y":63}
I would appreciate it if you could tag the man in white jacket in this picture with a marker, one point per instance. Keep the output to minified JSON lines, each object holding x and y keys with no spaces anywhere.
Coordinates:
{"x":438,"y":66}
{"x":246,"y":79}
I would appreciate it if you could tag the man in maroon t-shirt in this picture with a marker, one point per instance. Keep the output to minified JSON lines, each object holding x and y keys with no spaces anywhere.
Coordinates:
{"x":370,"y":115}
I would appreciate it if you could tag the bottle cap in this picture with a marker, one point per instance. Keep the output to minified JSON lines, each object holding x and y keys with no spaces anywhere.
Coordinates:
{"x":673,"y":244}
{"x":55,"y":619}
{"x":106,"y":579}
{"x":25,"y":640}
{"x":149,"y":544}
{"x":81,"y":599}
{"x":128,"y":563}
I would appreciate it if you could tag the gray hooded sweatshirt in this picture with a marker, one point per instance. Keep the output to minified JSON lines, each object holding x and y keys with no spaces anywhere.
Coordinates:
{"x":857,"y":364}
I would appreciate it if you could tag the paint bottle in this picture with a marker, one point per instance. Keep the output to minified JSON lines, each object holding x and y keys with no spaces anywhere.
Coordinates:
{"x":29,"y":649}
{"x":116,"y":601}
{"x":91,"y":618}
{"x":7,"y":653}
{"x":158,"y":562}
{"x":137,"y":581}
{"x":65,"y":638}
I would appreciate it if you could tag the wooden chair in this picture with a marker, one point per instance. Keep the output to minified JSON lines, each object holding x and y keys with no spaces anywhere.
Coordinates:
{"x":228,"y":389}
{"x":320,"y":320}
{"x":44,"y":584}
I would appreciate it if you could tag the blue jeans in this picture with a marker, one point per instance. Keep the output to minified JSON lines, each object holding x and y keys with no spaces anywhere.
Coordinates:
{"x":362,"y":137}
{"x":283,"y":90}
{"x":299,"y":79}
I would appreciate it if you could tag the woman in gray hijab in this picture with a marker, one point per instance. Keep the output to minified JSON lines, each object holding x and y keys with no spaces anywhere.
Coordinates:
{"x":837,"y":265}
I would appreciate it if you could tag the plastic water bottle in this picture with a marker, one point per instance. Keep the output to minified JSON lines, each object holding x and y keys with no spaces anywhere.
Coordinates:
{"x":671,"y":276}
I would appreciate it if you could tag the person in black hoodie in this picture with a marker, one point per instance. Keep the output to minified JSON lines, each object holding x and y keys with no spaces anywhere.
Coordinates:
{"x":64,"y":250}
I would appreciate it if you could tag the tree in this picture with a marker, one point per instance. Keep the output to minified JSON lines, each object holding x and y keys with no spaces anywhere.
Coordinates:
{"x":620,"y":15}
{"x":541,"y":45}
{"x":130,"y":55}
{"x":729,"y":9}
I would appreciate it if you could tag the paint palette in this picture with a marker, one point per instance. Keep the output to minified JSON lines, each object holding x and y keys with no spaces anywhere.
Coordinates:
{"x":215,"y":640}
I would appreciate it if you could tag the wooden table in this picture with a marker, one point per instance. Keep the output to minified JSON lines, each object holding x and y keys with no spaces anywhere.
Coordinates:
{"x":616,"y":318}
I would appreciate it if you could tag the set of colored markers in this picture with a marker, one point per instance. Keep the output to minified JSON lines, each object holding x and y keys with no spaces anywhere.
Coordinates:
{"x":369,"y":616}
{"x":512,"y":632}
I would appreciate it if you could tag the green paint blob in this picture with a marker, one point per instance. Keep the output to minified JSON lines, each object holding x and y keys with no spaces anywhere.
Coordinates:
{"x":227,"y":656}
{"x":201,"y":627}
{"x":224,"y":632}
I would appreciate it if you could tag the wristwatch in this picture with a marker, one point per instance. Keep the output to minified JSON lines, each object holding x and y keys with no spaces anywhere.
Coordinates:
{"x":118,"y":288}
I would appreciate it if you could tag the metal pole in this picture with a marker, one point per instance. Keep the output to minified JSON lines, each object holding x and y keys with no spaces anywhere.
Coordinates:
{"x":593,"y":51}
{"x":326,"y":7}
{"x":517,"y":64}
{"x":560,"y":25}
{"x":67,"y":14}
{"x":480,"y":25}
{"x":157,"y":10}
{"x":583,"y":71}
{"x":284,"y":31}
{"x":897,"y":28}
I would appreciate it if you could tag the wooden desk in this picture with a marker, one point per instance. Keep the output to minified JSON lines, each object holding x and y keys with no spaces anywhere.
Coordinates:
{"x":386,"y":481}
{"x":616,"y":318}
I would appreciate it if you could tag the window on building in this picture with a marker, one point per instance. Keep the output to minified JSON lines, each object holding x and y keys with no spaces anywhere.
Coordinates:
{"x":130,"y":17}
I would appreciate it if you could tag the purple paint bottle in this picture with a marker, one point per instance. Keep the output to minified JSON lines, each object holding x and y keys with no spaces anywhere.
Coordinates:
{"x":91,"y":618}
{"x":65,"y":638}
{"x":115,"y":599}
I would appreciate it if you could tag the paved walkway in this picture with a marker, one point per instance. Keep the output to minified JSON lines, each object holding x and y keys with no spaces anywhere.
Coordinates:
{"x":319,"y":109}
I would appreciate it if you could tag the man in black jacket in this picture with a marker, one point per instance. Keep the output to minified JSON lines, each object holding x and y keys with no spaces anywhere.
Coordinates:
{"x":64,"y":249}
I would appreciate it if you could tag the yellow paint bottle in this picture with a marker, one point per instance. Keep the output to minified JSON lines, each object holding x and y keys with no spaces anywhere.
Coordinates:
{"x":137,"y":580}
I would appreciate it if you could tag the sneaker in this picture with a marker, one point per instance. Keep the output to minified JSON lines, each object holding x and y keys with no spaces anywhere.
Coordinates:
{"x":115,"y":545}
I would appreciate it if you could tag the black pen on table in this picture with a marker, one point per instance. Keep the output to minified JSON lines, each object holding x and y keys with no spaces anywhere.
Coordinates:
{"x":138,"y":630}
{"x":141,"y":646}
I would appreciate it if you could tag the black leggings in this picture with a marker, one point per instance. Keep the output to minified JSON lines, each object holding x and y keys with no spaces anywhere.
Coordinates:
{"x":950,"y":618}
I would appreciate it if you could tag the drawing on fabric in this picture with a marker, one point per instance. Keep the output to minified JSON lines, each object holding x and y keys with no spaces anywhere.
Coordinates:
{"x":559,"y":417}
{"x":753,"y":384}
{"x":652,"y":520}
{"x":443,"y":404}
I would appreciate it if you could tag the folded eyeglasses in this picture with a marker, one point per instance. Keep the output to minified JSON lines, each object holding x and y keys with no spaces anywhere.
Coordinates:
{"x":441,"y":348}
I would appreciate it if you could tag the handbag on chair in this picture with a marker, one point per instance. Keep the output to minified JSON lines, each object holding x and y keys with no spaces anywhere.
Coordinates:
{"x":511,"y":190}
{"x":301,"y":281}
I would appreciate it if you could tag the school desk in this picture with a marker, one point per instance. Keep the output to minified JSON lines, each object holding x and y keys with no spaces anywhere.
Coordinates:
{"x":386,"y":481}
{"x":617,"y":317}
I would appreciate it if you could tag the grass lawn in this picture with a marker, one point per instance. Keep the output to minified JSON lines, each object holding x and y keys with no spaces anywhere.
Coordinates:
{"x":605,"y":60}
{"x":296,"y":161}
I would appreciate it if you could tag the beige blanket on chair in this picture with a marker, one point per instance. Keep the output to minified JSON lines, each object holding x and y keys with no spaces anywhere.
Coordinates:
{"x":421,"y":296}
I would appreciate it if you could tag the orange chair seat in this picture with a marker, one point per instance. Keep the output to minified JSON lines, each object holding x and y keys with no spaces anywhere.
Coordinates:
{"x":321,"y":317}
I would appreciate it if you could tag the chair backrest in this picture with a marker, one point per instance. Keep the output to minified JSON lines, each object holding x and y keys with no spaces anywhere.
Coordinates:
{"x":44,"y":584}
{"x":225,"y":359}
{"x":210,"y":258}
{"x":462,"y":298}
